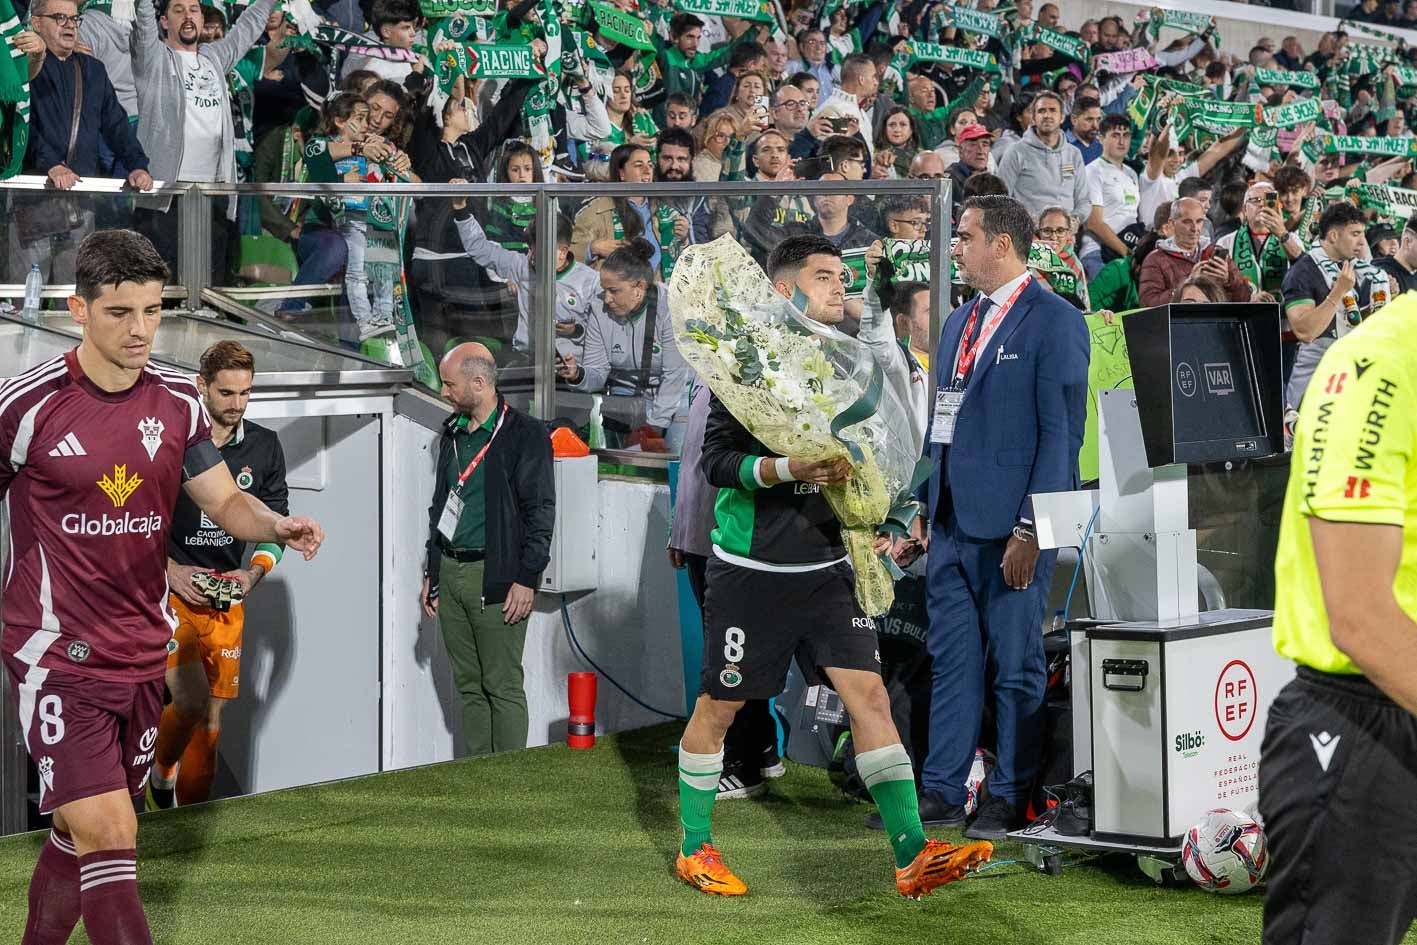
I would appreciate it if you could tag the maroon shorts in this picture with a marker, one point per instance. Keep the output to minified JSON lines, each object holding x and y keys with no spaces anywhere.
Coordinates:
{"x":87,"y":736}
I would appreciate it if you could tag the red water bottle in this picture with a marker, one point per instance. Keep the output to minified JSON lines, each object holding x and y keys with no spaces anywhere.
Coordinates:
{"x":580,"y":692}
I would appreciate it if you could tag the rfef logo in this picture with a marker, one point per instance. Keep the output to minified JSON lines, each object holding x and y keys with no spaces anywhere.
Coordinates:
{"x":1186,"y":379}
{"x":1235,"y":700}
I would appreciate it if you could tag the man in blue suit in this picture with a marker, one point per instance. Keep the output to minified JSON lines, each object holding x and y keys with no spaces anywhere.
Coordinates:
{"x":1007,"y":423}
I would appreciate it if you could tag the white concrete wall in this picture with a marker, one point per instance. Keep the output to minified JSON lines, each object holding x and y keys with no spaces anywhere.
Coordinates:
{"x":629,"y":625}
{"x":309,"y":704}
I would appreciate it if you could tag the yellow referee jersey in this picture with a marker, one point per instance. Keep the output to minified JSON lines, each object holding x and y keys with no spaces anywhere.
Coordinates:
{"x":1354,"y":460}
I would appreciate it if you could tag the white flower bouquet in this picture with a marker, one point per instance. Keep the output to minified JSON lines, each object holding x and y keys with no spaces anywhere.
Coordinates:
{"x":802,"y":388}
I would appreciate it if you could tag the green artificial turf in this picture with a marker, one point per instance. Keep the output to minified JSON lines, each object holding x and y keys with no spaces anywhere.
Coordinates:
{"x":561,"y":846}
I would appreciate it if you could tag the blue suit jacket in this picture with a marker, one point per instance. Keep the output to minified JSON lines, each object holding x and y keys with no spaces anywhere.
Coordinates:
{"x":1021,"y":424}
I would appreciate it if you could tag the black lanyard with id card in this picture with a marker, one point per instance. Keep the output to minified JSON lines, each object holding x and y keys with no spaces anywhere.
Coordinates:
{"x":452,"y":508}
{"x":949,"y":401}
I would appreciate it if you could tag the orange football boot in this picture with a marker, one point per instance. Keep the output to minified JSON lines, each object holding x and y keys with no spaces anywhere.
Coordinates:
{"x":940,"y":863}
{"x":705,"y":872}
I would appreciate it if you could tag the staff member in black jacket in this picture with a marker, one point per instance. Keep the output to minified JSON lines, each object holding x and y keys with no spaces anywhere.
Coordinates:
{"x":489,"y":539}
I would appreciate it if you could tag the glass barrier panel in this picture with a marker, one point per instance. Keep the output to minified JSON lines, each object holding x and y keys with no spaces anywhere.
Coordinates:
{"x":43,"y":227}
{"x":620,"y":378}
{"x":396,"y":278}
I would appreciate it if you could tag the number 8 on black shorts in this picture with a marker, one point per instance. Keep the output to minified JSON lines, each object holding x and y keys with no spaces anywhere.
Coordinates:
{"x":756,"y":621}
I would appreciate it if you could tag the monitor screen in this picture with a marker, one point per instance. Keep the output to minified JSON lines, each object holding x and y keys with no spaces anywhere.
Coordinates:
{"x":1213,"y":394}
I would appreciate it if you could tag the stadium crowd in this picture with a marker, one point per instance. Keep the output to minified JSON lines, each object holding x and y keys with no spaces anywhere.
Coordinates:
{"x":1157,"y":163}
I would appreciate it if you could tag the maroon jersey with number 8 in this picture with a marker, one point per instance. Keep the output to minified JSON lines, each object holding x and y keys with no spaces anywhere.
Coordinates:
{"x":90,"y":479}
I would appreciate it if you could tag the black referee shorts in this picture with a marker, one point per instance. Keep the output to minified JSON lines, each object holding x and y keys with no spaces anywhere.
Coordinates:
{"x":756,"y":621}
{"x":1338,"y":795}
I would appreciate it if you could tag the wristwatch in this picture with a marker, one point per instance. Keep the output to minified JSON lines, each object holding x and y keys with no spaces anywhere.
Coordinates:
{"x":1023,"y":532}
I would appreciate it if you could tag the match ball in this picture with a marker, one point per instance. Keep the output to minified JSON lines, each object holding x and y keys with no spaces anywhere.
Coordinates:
{"x":1226,"y":852}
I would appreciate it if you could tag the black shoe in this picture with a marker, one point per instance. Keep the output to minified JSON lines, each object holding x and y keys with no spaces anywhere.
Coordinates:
{"x":771,"y":764}
{"x":740,"y":780}
{"x":935,"y":811}
{"x":995,"y":818}
{"x":159,"y":798}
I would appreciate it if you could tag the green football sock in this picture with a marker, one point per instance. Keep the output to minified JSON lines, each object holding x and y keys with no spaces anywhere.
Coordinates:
{"x":698,"y":787}
{"x":891,"y":781}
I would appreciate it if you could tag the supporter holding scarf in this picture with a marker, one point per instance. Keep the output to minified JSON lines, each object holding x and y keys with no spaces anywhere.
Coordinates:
{"x":1262,"y":248}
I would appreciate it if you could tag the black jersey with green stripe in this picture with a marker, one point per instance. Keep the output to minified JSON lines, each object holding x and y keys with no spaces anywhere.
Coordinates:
{"x":785,"y":525}
{"x":257,"y":463}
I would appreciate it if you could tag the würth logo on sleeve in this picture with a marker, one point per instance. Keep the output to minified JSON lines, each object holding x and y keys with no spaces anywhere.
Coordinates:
{"x":151,"y":429}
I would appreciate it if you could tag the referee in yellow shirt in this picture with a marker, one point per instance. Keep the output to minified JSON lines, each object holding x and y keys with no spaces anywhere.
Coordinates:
{"x":1338,"y":772}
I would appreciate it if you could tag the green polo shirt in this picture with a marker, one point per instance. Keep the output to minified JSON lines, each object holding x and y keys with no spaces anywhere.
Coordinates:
{"x":471,"y":533}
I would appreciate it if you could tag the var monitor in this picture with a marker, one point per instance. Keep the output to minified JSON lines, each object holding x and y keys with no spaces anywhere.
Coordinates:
{"x":1208,"y":381}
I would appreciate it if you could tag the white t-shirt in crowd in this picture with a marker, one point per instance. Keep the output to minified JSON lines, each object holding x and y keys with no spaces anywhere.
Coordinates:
{"x":1116,"y":190}
{"x":1156,"y":192}
{"x":387,"y":69}
{"x":203,"y":118}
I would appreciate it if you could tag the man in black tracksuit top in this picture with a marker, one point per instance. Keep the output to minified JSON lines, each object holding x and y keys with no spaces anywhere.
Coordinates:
{"x":779,"y":585}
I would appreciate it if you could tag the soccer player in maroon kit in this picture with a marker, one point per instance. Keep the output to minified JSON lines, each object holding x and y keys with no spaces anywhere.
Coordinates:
{"x":93,"y":448}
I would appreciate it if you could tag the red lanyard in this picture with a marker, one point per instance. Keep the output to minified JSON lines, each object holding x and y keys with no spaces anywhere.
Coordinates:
{"x":482,"y":452}
{"x":967,"y":351}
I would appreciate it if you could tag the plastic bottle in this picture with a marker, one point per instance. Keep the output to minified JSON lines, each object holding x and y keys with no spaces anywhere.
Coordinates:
{"x":34,"y":282}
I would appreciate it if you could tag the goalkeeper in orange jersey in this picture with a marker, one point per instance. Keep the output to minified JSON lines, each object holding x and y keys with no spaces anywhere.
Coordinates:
{"x":209,"y":584}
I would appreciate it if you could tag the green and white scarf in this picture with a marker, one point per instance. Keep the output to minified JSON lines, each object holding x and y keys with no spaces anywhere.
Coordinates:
{"x":1295,"y":113}
{"x":241,"y":81}
{"x":760,"y":11}
{"x":1063,"y":277}
{"x":1366,"y":274}
{"x":436,"y":9}
{"x":934,"y":52}
{"x":909,"y":260}
{"x":1070,"y":46}
{"x":1395,"y":202}
{"x":1296,"y":80}
{"x":670,"y":246}
{"x":624,"y":28}
{"x":1265,"y":269}
{"x":1404,"y":146}
{"x":1262,"y":148}
{"x":14,"y":95}
{"x":1184,"y":20}
{"x":979,"y":22}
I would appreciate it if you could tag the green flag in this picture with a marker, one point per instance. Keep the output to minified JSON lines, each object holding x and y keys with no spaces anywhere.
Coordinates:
{"x":854,"y":275}
{"x":624,"y":28}
{"x":14,"y":95}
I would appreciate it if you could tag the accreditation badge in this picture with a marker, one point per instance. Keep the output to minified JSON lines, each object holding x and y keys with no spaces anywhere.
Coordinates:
{"x":942,"y":426}
{"x":452,"y":511}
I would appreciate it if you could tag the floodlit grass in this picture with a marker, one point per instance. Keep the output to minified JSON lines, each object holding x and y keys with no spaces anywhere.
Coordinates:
{"x":560,"y":846}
